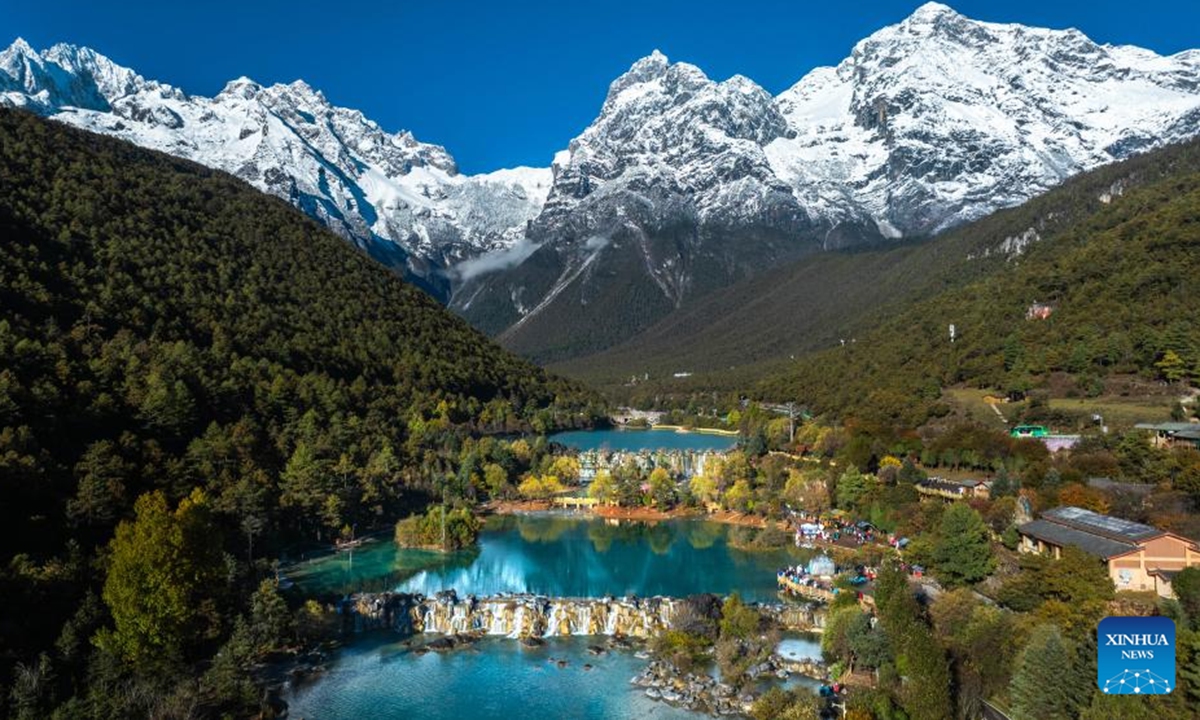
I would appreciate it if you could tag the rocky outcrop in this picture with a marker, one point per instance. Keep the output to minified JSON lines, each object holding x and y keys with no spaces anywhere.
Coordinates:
{"x":698,"y":692}
{"x":704,"y":693}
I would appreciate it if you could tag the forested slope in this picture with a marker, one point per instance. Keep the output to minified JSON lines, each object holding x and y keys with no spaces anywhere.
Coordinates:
{"x":166,"y":328}
{"x":1120,"y":283}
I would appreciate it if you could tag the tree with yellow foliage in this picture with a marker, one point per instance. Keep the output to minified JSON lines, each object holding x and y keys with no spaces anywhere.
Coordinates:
{"x":540,"y":487}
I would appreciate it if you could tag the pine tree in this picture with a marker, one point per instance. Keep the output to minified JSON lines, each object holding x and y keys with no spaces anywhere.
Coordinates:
{"x":1188,"y":648}
{"x":271,"y":621}
{"x":1002,"y":486}
{"x":963,"y":553}
{"x":1036,"y":689}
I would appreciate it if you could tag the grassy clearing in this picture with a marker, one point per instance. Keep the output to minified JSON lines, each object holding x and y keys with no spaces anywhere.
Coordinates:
{"x":1119,"y":412}
{"x":971,"y":401}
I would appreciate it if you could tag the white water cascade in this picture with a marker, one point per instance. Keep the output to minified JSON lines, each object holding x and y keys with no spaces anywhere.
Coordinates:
{"x":523,"y":615}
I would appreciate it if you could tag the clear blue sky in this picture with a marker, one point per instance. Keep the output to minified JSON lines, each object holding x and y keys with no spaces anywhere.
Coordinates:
{"x":503,"y":84}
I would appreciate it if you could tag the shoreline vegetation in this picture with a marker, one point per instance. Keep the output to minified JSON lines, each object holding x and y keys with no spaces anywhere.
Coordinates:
{"x":439,"y":529}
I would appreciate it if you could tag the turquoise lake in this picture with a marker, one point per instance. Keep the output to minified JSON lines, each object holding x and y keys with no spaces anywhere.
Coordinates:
{"x":637,"y":440}
{"x":498,"y":679}
{"x":547,"y":553}
{"x":562,"y":555}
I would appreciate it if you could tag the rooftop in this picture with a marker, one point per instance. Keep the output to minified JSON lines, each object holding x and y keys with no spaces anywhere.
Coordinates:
{"x":1103,"y":483}
{"x":1105,"y":526}
{"x":937,"y":483}
{"x":1061,"y":535}
{"x":1169,"y":427}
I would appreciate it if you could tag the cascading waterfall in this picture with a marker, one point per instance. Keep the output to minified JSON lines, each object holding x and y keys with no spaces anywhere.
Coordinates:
{"x":496,"y":624}
{"x":610,"y":623}
{"x":535,"y":616}
{"x":515,"y":629}
{"x":555,"y":621}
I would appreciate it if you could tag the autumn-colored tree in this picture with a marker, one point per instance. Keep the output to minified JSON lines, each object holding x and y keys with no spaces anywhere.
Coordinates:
{"x":495,"y":479}
{"x":704,"y":488}
{"x":1085,"y":497}
{"x":540,"y":487}
{"x":662,"y":488}
{"x":565,"y":468}
{"x":165,"y":575}
{"x":603,"y":487}
{"x":739,"y":497}
{"x":1172,"y":367}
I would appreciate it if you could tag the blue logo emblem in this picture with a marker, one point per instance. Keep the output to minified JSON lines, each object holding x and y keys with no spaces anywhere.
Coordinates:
{"x":1136,"y":655}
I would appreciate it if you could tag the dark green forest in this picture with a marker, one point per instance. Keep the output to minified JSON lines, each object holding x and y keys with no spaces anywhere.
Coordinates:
{"x":1121,"y":285}
{"x":174,"y":341}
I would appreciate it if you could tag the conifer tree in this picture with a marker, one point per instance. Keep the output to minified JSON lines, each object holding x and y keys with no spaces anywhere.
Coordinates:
{"x":1037,"y":686}
{"x":963,"y":553}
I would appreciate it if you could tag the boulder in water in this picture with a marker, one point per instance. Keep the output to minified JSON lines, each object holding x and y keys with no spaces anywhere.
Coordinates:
{"x":441,"y":644}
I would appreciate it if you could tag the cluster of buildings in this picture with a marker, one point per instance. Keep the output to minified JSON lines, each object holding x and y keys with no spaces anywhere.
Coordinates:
{"x":625,"y":416}
{"x":1138,"y":557}
{"x":684,"y":464}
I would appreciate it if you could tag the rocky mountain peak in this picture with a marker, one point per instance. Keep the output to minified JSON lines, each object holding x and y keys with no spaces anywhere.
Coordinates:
{"x":243,"y":87}
{"x":647,"y":69}
{"x":113,"y":80}
{"x":21,"y":64}
{"x":929,"y":123}
{"x":682,"y":182}
{"x":930,"y":15}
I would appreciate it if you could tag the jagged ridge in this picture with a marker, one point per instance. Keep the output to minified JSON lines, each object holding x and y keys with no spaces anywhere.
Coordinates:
{"x":401,"y":199}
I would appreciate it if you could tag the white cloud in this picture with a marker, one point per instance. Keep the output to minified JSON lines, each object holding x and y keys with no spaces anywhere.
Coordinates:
{"x":495,"y":261}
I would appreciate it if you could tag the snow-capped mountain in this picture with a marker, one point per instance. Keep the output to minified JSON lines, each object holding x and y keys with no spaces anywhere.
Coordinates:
{"x":683,"y":184}
{"x":401,"y":199}
{"x":941,"y":119}
{"x":668,"y":193}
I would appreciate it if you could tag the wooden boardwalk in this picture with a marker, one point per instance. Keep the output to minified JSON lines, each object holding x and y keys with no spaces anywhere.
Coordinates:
{"x":809,"y":591}
{"x":818,"y":593}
